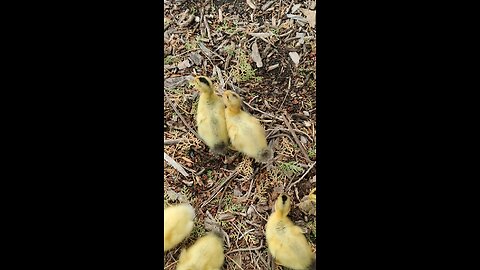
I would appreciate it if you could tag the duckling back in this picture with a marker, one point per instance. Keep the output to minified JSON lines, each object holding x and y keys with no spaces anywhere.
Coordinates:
{"x":211,"y":123}
{"x":247,"y":135}
{"x":205,"y":254}
{"x":177,"y":225}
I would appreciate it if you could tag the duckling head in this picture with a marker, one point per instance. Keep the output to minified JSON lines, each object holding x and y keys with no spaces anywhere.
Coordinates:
{"x":282,"y":205}
{"x":203,"y":84}
{"x":232,"y":100}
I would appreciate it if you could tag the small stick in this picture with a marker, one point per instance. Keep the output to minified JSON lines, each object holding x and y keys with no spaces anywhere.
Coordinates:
{"x":255,"y":109}
{"x":233,"y":261}
{"x":296,"y":138}
{"x":208,"y":28}
{"x":219,"y":188}
{"x":181,"y":117}
{"x":170,"y":142}
{"x":263,"y":261}
{"x":253,"y":224}
{"x":258,"y":213}
{"x":246,"y":249}
{"x":294,"y":183}
{"x":245,"y":233}
{"x":297,"y":130}
{"x":174,"y":164}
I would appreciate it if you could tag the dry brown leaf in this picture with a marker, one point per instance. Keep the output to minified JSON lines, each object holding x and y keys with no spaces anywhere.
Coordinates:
{"x":295,"y":7}
{"x":174,"y":82}
{"x":184,"y":64}
{"x":295,"y":57}
{"x":196,"y":58}
{"x":310,"y":14}
{"x":256,"y":55}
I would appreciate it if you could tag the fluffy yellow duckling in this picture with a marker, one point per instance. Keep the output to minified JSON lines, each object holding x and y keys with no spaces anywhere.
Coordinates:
{"x":177,"y":225}
{"x":285,"y":240}
{"x":313,"y":196}
{"x":211,"y":116}
{"x":245,"y":131}
{"x":205,"y":254}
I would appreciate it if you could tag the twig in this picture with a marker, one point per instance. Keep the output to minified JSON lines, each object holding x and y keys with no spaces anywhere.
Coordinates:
{"x":237,"y":213}
{"x":208,"y":28}
{"x":272,"y":260}
{"x":170,"y":142}
{"x":288,"y":92}
{"x":297,"y":130}
{"x":245,"y":233}
{"x":200,"y":172}
{"x":294,"y":183}
{"x":233,"y":261}
{"x":263,"y":261}
{"x":219,"y":188}
{"x":174,"y":164}
{"x":235,"y":226}
{"x":181,"y":117}
{"x":246,"y":249}
{"x":302,"y":149}
{"x":272,"y":116}
{"x":250,"y":189}
{"x":258,"y":213}
{"x":166,"y":267}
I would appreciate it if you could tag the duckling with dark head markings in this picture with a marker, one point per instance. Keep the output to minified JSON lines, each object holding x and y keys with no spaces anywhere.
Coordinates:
{"x":285,"y":240}
{"x":245,"y":132}
{"x":210,"y":117}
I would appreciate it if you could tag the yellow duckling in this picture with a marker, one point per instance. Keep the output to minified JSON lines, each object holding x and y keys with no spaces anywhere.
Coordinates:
{"x":245,"y":132}
{"x":211,"y":116}
{"x":313,"y":196}
{"x":205,"y":254}
{"x":177,"y":225}
{"x":285,"y":240}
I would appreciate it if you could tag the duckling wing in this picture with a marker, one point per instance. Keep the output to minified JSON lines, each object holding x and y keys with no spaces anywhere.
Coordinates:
{"x":233,"y":133}
{"x":201,"y":116}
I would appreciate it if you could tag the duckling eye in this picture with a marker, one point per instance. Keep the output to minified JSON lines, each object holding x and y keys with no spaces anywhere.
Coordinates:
{"x":205,"y":81}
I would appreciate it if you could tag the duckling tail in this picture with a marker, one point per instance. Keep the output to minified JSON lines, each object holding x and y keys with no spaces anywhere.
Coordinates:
{"x":265,"y":155}
{"x":219,"y":148}
{"x":313,"y":266}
